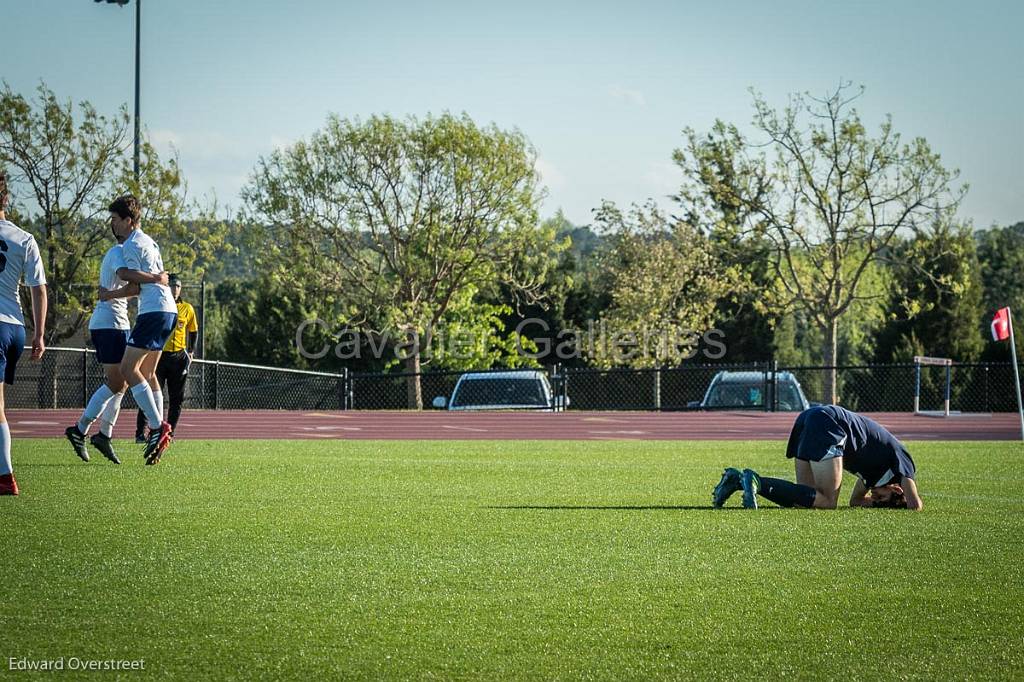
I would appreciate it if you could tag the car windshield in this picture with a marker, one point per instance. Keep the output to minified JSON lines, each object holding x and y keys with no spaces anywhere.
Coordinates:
{"x":736,"y":395}
{"x":499,"y":392}
{"x":789,"y":398}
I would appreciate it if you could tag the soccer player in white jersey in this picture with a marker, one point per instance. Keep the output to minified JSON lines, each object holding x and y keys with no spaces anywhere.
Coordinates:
{"x":19,"y":256}
{"x":109,"y":329}
{"x":156,"y":319}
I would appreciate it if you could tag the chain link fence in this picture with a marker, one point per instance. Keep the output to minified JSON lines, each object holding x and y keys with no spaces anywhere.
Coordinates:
{"x":66,"y":377}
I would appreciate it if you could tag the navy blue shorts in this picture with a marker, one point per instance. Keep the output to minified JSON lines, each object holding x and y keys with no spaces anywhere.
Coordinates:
{"x":12,"y":342}
{"x":109,"y":344}
{"x":152,"y":330}
{"x":817,"y":436}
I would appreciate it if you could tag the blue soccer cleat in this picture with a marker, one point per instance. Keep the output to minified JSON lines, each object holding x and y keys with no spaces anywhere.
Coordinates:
{"x":751,"y":483}
{"x":729,"y":484}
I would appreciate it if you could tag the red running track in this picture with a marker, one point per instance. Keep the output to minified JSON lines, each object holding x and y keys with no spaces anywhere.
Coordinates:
{"x":437,"y":425}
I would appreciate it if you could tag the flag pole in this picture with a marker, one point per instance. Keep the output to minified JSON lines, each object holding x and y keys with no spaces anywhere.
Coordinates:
{"x":1016,"y":372}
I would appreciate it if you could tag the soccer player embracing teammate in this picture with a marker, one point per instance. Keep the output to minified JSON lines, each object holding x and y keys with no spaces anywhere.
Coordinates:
{"x":142,"y":266}
{"x":109,"y":329}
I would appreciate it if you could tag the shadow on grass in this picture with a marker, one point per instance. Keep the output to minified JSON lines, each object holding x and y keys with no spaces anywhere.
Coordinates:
{"x":621,"y":508}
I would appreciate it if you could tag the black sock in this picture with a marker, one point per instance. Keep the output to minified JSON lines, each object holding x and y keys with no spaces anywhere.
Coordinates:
{"x":786,"y":493}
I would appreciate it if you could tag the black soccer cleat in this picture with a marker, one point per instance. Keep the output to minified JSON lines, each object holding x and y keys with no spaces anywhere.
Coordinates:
{"x":77,"y":440}
{"x":140,"y":438}
{"x":102,"y":443}
{"x":729,"y":484}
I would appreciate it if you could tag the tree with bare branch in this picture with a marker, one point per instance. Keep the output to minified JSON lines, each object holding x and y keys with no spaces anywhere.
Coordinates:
{"x":66,"y":164}
{"x":828,"y":197}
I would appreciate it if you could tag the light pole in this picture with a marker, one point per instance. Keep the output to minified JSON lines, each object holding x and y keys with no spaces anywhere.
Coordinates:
{"x":138,"y":27}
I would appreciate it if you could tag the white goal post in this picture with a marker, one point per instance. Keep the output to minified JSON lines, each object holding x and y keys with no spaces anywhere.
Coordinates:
{"x":925,"y":360}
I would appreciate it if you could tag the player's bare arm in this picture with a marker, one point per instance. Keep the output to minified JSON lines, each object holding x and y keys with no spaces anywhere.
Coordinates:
{"x":911,"y":494}
{"x":127,"y":291}
{"x":139,"y":277}
{"x":38,"y":320}
{"x":859,"y":496}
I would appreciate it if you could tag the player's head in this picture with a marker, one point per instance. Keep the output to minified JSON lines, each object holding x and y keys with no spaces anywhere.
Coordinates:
{"x":125,"y":213}
{"x":174,"y":282}
{"x":889,"y":496}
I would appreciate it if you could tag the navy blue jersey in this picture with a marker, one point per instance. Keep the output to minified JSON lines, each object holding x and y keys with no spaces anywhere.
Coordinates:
{"x":867,"y":449}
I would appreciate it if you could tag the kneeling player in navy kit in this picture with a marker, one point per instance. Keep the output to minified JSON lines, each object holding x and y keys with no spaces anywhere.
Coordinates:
{"x":824,"y":441}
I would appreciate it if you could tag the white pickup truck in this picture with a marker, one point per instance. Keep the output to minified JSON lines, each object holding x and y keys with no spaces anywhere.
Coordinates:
{"x":513,"y":390}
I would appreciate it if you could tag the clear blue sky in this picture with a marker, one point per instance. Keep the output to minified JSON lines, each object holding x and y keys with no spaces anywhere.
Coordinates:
{"x":602,"y":89}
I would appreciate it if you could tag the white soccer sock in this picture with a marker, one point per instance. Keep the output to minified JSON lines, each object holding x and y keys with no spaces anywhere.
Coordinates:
{"x":158,"y":397}
{"x":144,"y":398}
{"x":96,"y":404}
{"x":5,"y":449}
{"x":108,"y":417}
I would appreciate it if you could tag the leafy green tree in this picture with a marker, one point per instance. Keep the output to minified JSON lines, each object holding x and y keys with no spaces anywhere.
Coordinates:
{"x":829,"y":198}
{"x":62,"y":171}
{"x":472,"y":335}
{"x":1001,"y":255}
{"x":238,"y":306}
{"x":397,"y":218}
{"x":665,"y":282}
{"x":573,"y":296}
{"x":65,"y":170}
{"x":936,"y":303}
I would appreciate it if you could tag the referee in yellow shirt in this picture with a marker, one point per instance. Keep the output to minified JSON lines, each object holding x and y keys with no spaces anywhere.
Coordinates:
{"x":172,"y":369}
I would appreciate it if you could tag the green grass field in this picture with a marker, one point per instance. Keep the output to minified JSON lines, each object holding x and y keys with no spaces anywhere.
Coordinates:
{"x":505,"y":560}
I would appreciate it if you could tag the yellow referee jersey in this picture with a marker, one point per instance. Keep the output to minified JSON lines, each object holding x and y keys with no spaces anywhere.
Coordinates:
{"x":186,"y":323}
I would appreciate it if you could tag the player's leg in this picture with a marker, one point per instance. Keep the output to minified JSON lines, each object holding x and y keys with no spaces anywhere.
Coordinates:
{"x":12,"y":341}
{"x":159,"y":430}
{"x":151,"y":368}
{"x":109,"y":345}
{"x":140,"y":423}
{"x":804,"y":475}
{"x":780,"y":491}
{"x":8,"y":486}
{"x":140,"y":427}
{"x":116,"y":382}
{"x":108,"y":417}
{"x":176,"y":378}
{"x":819,"y":470}
{"x":138,"y":381}
{"x":144,"y":345}
{"x":828,"y":478}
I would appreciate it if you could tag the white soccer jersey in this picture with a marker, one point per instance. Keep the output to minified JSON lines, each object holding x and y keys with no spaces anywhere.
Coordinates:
{"x":112,"y":314}
{"x":19,"y":255}
{"x":141,"y":253}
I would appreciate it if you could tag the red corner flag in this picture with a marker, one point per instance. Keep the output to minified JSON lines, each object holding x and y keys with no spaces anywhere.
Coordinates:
{"x":1002,"y":328}
{"x":1001,"y":324}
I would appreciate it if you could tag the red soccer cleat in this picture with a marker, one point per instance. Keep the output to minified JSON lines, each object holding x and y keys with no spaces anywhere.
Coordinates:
{"x":8,"y":486}
{"x":157,"y":443}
